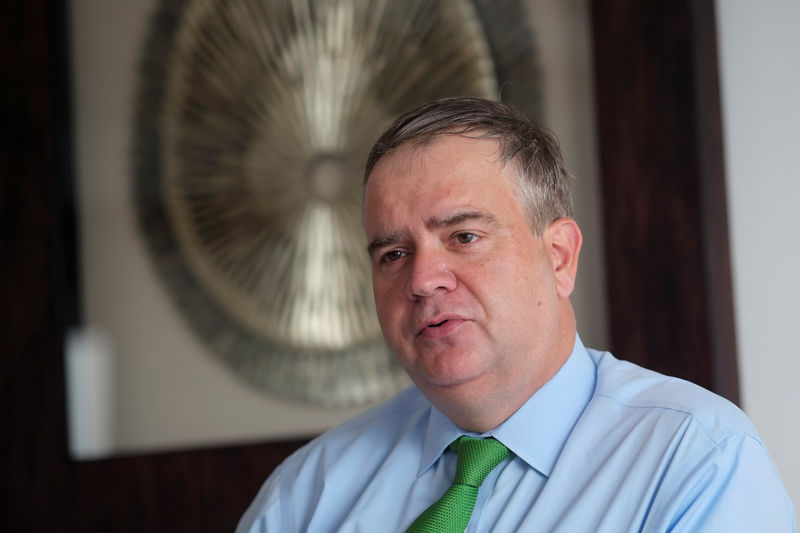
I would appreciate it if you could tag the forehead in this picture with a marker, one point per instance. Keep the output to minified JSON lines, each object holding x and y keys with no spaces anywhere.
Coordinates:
{"x":451,"y":149}
{"x":450,"y":172}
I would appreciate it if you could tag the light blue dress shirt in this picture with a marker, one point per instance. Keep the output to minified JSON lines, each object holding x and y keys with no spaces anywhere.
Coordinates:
{"x":604,"y":446}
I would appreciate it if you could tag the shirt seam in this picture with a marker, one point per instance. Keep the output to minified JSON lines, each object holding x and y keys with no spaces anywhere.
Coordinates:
{"x":690,"y":415}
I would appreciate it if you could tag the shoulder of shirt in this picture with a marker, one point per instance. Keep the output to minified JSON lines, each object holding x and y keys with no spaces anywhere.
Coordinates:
{"x":635,"y":387}
{"x":380,"y":427}
{"x":361,"y":444}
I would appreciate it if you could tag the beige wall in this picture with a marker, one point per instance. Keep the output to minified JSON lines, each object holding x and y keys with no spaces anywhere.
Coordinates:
{"x":759,"y":46}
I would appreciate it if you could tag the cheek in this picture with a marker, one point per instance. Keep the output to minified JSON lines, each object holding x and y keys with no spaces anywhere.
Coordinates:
{"x":518,"y":286}
{"x":388,"y":303}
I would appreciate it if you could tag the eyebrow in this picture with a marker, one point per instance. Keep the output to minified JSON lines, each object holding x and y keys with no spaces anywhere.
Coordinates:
{"x":460,"y":217}
{"x":382,"y":241}
{"x":453,"y":219}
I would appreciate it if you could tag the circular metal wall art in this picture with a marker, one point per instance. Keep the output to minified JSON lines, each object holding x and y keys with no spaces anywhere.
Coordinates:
{"x":254,"y":119}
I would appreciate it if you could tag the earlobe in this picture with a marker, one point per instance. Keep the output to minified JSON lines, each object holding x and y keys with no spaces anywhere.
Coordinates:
{"x":564,"y":240}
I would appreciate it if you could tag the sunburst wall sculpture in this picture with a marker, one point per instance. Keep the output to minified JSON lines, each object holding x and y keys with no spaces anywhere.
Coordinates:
{"x":254,"y":119}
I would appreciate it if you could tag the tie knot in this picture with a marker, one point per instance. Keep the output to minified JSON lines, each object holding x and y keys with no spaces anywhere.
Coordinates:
{"x":476,"y":458}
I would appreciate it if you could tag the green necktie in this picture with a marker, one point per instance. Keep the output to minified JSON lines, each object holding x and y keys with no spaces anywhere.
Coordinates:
{"x":476,"y":458}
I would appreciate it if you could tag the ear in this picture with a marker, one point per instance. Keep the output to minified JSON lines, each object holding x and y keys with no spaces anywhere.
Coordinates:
{"x":563,"y":241}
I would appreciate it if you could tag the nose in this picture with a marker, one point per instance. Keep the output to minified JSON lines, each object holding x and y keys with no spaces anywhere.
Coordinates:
{"x":430,"y":272}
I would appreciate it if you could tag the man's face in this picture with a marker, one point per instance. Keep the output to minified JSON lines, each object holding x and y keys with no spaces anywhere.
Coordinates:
{"x":466,"y":294}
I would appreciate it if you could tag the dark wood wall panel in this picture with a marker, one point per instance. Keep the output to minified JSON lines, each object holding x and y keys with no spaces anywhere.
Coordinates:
{"x":42,"y":489}
{"x":667,"y":264}
{"x":663,"y":189}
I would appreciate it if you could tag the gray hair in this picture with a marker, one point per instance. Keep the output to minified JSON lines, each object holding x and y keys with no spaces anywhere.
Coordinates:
{"x":542,"y":178}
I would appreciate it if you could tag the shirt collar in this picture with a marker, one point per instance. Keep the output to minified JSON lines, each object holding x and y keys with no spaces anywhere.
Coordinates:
{"x":537,"y":431}
{"x":441,"y":431}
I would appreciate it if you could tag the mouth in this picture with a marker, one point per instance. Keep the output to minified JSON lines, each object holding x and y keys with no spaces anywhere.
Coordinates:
{"x":439,"y":328}
{"x":431,"y":326}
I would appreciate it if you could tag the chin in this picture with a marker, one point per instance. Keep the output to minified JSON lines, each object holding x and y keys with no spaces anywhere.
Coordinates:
{"x":454,"y":379}
{"x":449,"y":367}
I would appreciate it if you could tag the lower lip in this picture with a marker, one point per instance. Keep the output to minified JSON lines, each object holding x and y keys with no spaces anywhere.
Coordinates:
{"x":442,"y":331}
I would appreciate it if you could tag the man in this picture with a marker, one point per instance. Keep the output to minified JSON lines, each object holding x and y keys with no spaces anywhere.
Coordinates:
{"x":474,"y":253}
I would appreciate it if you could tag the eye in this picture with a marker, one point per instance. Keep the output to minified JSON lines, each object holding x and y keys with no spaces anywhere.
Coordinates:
{"x":391,"y":256}
{"x":466,"y":237}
